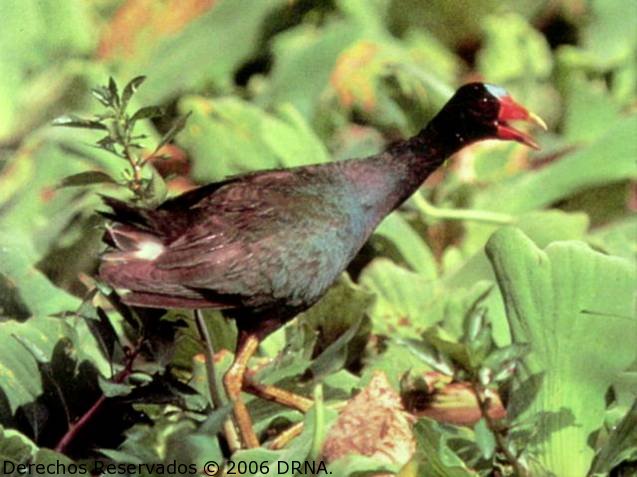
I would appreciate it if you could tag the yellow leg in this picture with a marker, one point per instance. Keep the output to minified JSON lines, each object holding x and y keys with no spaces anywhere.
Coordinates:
{"x":233,"y":382}
{"x":278,"y":395}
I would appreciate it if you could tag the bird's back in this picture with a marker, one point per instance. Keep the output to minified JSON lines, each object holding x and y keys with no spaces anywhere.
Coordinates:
{"x":277,"y":238}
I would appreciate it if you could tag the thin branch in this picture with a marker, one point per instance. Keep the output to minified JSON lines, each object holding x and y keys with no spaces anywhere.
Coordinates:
{"x":75,"y":428}
{"x":229,"y":431}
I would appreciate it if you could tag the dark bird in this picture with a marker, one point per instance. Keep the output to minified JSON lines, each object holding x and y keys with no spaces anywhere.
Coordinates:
{"x":267,"y":245}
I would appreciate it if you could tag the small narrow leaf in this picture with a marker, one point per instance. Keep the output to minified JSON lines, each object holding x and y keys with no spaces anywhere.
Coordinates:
{"x":499,"y":357}
{"x":130,"y":89}
{"x":148,"y":112}
{"x":103,"y":96}
{"x":114,"y":93}
{"x":86,"y":178}
{"x":72,"y":121}
{"x":177,"y":126}
{"x":475,"y":323}
{"x":108,"y":143}
{"x":156,"y":191}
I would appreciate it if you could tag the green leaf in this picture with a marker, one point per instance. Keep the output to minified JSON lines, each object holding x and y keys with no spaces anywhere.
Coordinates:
{"x":571,"y":305}
{"x":156,"y":190}
{"x":513,"y":50}
{"x":130,"y":89}
{"x":15,"y":447}
{"x":112,"y":389}
{"x":27,"y":284}
{"x":104,"y":96}
{"x":300,"y":51}
{"x":435,"y":457}
{"x":413,"y":249}
{"x":617,"y":238}
{"x":21,"y":377}
{"x":86,"y":178}
{"x":620,"y":446}
{"x":279,"y":462}
{"x":502,"y":356}
{"x":355,"y":465}
{"x":112,"y":89}
{"x":149,"y":112}
{"x":590,"y":110}
{"x":205,"y":52}
{"x":485,"y":439}
{"x":407,"y":303}
{"x":72,"y":121}
{"x":229,"y":136}
{"x":176,"y":127}
{"x":608,"y":159}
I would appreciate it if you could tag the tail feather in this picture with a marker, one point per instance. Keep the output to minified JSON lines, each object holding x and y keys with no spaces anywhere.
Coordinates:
{"x":127,"y":214}
{"x":136,"y":237}
{"x":165,"y":223}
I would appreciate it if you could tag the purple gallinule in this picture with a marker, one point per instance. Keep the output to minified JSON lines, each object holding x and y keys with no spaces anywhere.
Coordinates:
{"x":267,"y":245}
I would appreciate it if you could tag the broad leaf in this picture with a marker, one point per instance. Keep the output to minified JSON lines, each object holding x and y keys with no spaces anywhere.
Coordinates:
{"x":22,"y":283}
{"x":407,"y":303}
{"x":571,"y":305}
{"x":229,"y":136}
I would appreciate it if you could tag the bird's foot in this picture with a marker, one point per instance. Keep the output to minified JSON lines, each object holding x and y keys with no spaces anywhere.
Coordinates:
{"x":278,"y":395}
{"x":233,"y":382}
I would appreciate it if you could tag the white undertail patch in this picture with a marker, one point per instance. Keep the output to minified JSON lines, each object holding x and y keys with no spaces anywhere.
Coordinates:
{"x":148,"y":250}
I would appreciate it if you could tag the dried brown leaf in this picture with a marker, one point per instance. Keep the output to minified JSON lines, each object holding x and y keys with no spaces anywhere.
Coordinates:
{"x":373,"y":424}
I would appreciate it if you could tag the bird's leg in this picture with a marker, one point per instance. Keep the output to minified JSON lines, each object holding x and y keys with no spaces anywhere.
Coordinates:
{"x":233,"y":382}
{"x":278,"y":395}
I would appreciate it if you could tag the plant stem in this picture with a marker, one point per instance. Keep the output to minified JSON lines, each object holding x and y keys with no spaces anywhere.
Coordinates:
{"x":319,"y":425}
{"x":75,"y":428}
{"x":500,"y":439}
{"x":123,"y":133}
{"x":429,"y":210}
{"x":229,"y":431}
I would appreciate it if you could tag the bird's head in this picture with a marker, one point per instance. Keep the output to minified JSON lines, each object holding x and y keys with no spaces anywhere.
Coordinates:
{"x":481,"y":111}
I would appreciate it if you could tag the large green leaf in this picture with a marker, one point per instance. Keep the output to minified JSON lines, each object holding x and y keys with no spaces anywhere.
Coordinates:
{"x":24,"y":290}
{"x":406,"y":302}
{"x":513,"y":50}
{"x":30,"y":68}
{"x":304,"y":60}
{"x":25,"y":345}
{"x":411,"y":246}
{"x":604,"y":41}
{"x":608,"y":159}
{"x":206,"y":51}
{"x":229,"y":136}
{"x":575,"y":308}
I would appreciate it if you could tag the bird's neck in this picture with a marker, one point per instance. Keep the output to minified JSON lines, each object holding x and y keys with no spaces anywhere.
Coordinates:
{"x":386,"y":180}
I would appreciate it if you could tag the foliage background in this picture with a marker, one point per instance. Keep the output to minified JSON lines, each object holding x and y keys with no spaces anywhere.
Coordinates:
{"x":277,"y":83}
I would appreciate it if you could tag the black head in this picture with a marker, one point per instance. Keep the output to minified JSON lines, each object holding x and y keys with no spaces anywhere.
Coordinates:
{"x":481,"y":111}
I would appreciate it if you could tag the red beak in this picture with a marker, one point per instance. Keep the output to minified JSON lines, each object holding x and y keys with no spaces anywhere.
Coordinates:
{"x":512,"y":111}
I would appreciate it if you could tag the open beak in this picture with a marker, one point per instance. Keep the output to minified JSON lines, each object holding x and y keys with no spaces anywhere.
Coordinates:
{"x":512,"y":111}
